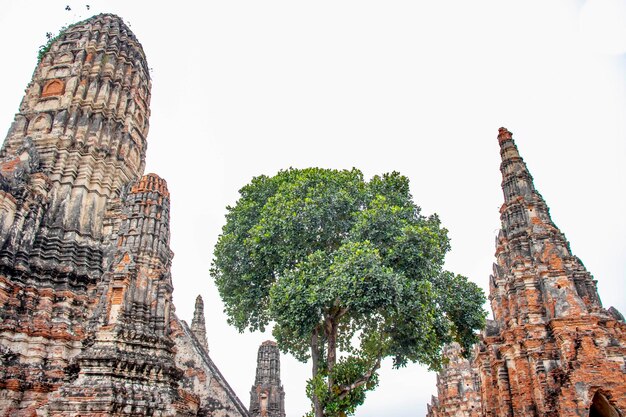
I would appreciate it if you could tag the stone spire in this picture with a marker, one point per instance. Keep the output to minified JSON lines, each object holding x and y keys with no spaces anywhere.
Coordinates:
{"x":197,"y":324}
{"x":516,"y":180}
{"x":267,"y":398}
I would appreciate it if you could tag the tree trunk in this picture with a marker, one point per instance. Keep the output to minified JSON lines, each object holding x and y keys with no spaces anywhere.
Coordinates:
{"x":331,"y":335}
{"x":315,"y":357}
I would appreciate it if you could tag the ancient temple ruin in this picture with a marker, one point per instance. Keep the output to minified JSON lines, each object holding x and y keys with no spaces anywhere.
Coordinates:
{"x":87,"y":325}
{"x":552,"y":350}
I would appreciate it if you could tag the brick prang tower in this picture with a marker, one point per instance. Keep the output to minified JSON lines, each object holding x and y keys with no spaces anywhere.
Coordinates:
{"x":267,"y":398}
{"x":76,"y":145}
{"x":552,"y":350}
{"x":130,"y":368}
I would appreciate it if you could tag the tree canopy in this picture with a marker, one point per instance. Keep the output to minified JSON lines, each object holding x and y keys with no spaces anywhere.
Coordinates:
{"x":349,"y":272}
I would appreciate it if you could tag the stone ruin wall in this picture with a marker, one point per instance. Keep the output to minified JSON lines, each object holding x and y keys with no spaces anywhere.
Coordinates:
{"x":201,"y":375}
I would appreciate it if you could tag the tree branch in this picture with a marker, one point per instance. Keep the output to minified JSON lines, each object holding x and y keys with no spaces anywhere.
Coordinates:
{"x":346,"y":389}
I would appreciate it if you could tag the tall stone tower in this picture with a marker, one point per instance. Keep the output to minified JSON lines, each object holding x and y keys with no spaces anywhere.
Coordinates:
{"x":77,"y":143}
{"x":267,"y":398}
{"x":87,"y":325}
{"x":552,"y":350}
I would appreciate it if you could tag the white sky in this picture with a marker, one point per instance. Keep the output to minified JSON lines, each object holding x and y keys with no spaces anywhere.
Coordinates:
{"x":243,"y":88}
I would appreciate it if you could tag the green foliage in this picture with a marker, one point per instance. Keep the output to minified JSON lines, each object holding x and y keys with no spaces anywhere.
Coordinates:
{"x":43,"y":49}
{"x":51,"y":38}
{"x":349,"y":271}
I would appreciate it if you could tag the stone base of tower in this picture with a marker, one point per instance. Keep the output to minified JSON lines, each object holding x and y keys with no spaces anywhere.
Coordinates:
{"x":592,"y":357}
{"x":41,"y":330}
{"x":112,"y":396}
{"x":200,"y":388}
{"x":120,"y":375}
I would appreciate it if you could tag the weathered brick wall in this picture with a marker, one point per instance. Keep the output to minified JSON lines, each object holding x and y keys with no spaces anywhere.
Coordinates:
{"x":202,"y":376}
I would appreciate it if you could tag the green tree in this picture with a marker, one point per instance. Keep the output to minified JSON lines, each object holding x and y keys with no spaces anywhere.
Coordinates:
{"x":349,"y":272}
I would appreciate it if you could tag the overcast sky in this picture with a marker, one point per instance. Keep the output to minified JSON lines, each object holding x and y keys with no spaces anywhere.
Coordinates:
{"x":243,"y":88}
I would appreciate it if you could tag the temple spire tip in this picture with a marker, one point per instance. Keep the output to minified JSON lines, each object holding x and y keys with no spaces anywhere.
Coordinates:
{"x":198,"y":326}
{"x":504,"y":134}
